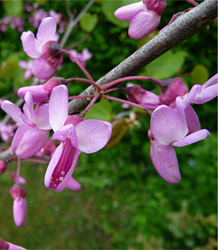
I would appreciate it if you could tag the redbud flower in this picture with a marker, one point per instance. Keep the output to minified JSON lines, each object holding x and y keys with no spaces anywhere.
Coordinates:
{"x":147,"y":99}
{"x":33,"y":131}
{"x":75,"y":135}
{"x":41,"y":93}
{"x":6,"y":131}
{"x":172,"y":128}
{"x":28,"y":67}
{"x":44,"y":48}
{"x":9,"y":246}
{"x":81,"y":57}
{"x":73,"y":185}
{"x":201,"y":94}
{"x":20,"y":205}
{"x":3,"y":166}
{"x":171,"y":88}
{"x":144,"y":16}
{"x":49,"y":148}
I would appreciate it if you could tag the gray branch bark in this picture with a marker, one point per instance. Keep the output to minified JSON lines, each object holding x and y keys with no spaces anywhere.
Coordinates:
{"x":182,"y":28}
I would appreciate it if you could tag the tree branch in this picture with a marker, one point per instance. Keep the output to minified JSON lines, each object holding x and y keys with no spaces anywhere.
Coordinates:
{"x":182,"y":28}
{"x":74,"y":22}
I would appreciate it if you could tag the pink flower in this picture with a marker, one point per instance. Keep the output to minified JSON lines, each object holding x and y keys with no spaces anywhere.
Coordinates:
{"x":19,"y":205}
{"x":28,"y":66}
{"x":201,"y":94}
{"x":33,"y":131}
{"x":144,"y":16}
{"x":147,"y":99}
{"x":73,"y":185}
{"x":56,"y":16}
{"x":41,"y":93}
{"x":6,"y":131}
{"x":44,"y":48}
{"x":75,"y":135}
{"x":172,"y":128}
{"x":81,"y":57}
{"x":9,"y":246}
{"x":3,"y":166}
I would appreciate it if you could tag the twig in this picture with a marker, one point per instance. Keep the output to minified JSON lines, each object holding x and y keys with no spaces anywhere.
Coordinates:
{"x":74,"y":22}
{"x":184,"y":27}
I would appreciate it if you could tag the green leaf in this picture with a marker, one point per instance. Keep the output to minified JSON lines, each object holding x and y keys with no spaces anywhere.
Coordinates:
{"x":88,"y":22}
{"x":101,"y":111}
{"x":109,"y":7}
{"x":166,"y":65}
{"x":13,"y":8}
{"x":199,"y":74}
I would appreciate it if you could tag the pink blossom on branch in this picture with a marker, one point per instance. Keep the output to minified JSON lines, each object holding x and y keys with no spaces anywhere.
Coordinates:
{"x":172,"y":128}
{"x":33,"y":131}
{"x":144,"y":16}
{"x":81,"y":57}
{"x":44,"y":49}
{"x":75,"y":134}
{"x":41,"y":93}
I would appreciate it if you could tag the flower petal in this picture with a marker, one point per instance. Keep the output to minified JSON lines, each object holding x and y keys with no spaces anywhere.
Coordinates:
{"x":165,"y":162}
{"x":28,"y":107}
{"x":73,"y":185}
{"x":192,"y":120}
{"x":42,"y":69}
{"x":12,"y":110}
{"x":206,"y":94}
{"x":127,"y":12}
{"x":93,"y":135}
{"x":58,"y":107}
{"x":167,"y":125}
{"x":52,"y":164}
{"x":39,"y":94}
{"x":29,"y":44}
{"x":143,"y":24}
{"x":192,"y":138}
{"x":189,"y":98}
{"x":212,"y":81}
{"x":64,"y":183}
{"x":67,"y":131}
{"x":29,"y":141}
{"x":41,"y":117}
{"x":47,"y":30}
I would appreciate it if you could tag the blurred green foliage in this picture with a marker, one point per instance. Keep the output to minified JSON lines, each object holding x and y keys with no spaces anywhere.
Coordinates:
{"x":123,"y":203}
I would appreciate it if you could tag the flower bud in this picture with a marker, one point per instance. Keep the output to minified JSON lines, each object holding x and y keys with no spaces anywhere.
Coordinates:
{"x":41,"y":93}
{"x":156,"y":5}
{"x":20,"y":205}
{"x":52,"y":53}
{"x":171,"y":88}
{"x":3,"y":166}
{"x":139,"y":95}
{"x":49,"y":148}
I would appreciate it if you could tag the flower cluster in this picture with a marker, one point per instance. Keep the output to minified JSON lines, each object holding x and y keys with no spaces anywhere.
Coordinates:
{"x":43,"y":130}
